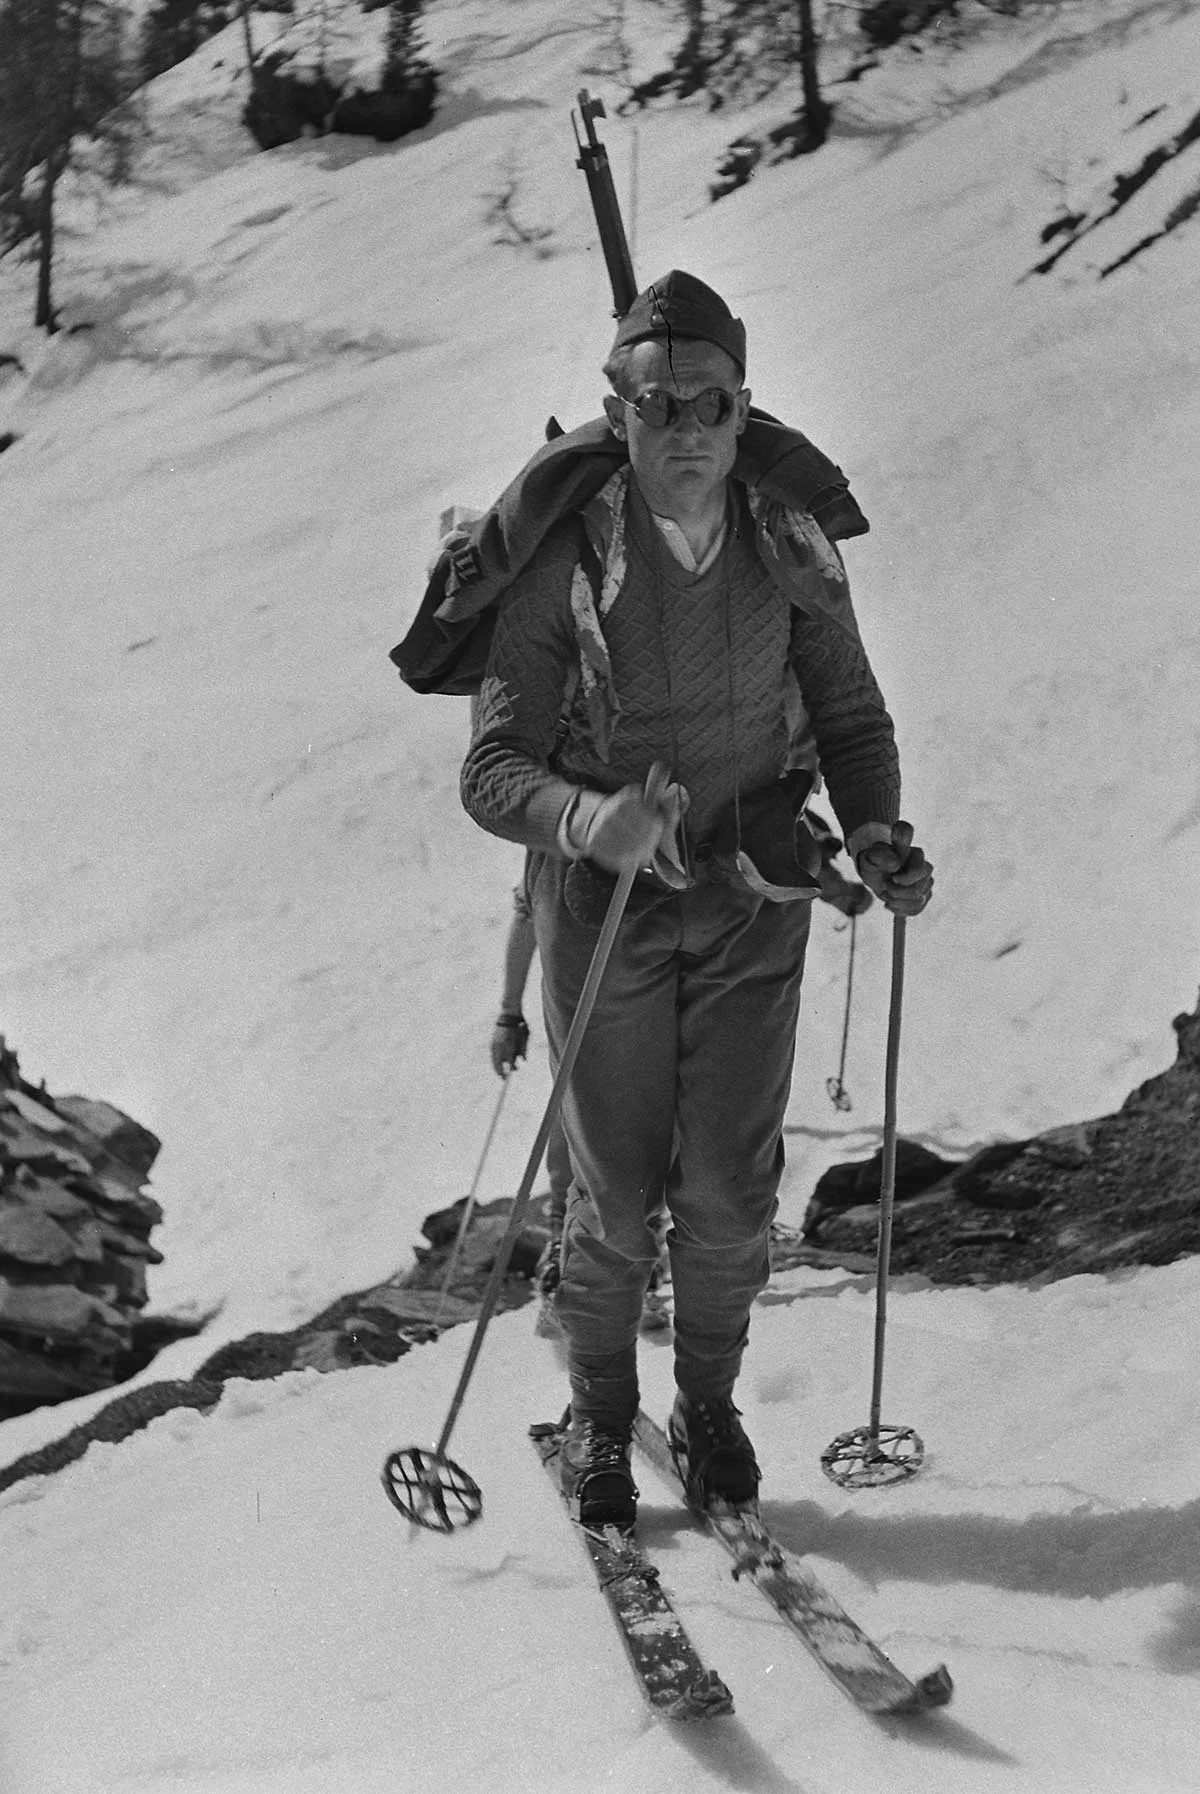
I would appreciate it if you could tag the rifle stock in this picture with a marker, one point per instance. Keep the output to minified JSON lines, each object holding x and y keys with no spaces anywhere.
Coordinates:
{"x":593,"y":159}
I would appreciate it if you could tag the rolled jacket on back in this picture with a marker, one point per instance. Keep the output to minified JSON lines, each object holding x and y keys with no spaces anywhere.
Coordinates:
{"x":446,"y":647}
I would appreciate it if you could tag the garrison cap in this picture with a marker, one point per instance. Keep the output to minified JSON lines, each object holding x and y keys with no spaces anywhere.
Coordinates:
{"x":680,"y":305}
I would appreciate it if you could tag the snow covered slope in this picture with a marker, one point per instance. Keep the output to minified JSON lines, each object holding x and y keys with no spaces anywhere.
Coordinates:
{"x":229,"y":1605}
{"x":245,"y":902}
{"x":241,"y":901}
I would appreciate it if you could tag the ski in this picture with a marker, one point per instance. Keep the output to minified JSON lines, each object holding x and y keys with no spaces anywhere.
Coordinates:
{"x":856,"y":1663}
{"x":672,"y":1676}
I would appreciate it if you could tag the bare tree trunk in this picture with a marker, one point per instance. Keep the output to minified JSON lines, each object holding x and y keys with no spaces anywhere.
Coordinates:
{"x":58,"y":156}
{"x":44,"y":317}
{"x":244,"y":9}
{"x":690,"y":62}
{"x":816,"y":112}
{"x":693,"y":12}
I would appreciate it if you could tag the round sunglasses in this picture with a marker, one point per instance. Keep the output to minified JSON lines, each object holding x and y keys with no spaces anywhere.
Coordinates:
{"x":660,"y":410}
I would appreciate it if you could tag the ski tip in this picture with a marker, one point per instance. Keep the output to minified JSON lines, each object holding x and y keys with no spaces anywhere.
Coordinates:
{"x":707,"y":1698}
{"x":930,"y":1691}
{"x":937,"y":1688}
{"x":546,"y":1429}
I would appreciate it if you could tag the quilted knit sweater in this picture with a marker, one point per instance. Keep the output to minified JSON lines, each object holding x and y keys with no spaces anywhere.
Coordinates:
{"x":705,"y":671}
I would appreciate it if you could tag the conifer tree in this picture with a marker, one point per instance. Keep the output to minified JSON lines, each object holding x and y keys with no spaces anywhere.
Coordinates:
{"x":404,"y":66}
{"x":172,"y":29}
{"x":744,"y":50}
{"x":61,"y":75}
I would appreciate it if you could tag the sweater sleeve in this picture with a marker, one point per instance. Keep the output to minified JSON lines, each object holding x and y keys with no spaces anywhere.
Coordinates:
{"x":855,"y":739}
{"x":507,"y":786}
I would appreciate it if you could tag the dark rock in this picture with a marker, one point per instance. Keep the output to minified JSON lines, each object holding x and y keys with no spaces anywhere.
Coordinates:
{"x":31,"y":1378}
{"x":441,"y":1227}
{"x":118,"y":1419}
{"x":257,"y":1356}
{"x":149,"y":1334}
{"x":288,"y":102}
{"x":385,"y":116}
{"x":74,"y":1240}
{"x":285,"y":104}
{"x":32,"y":1237}
{"x":422,"y":1306}
{"x":58,"y":1311}
{"x":986,"y":1236}
{"x":1007,"y":1194}
{"x":125,"y":1139}
{"x":1095,"y":1196}
{"x":125,"y":1202}
{"x":974,"y":1177}
{"x":1068,"y":1147}
{"x":844,"y":1187}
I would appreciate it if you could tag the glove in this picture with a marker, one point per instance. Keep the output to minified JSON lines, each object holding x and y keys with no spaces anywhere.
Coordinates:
{"x":510,"y":1042}
{"x":897,"y":872}
{"x":618,"y":832}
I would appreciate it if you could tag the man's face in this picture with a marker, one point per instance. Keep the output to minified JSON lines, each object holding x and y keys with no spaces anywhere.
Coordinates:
{"x":681,"y":469}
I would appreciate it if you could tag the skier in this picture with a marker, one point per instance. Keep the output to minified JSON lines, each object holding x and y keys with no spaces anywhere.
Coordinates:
{"x":509,"y":1044}
{"x":680,"y":618}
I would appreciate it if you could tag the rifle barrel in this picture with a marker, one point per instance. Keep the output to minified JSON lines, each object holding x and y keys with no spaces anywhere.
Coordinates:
{"x":593,"y":159}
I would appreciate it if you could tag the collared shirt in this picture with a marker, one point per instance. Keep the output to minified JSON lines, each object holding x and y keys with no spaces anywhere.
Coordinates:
{"x":678,"y":543}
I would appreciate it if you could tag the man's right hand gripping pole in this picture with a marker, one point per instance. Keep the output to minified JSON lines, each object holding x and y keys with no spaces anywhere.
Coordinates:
{"x":624,"y":830}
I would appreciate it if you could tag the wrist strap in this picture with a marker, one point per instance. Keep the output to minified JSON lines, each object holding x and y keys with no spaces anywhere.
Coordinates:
{"x":510,"y":1018}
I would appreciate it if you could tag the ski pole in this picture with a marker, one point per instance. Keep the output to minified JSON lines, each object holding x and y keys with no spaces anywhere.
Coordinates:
{"x":469,"y":1205}
{"x":877,"y":1453}
{"x":835,"y":1088}
{"x":426,"y":1486}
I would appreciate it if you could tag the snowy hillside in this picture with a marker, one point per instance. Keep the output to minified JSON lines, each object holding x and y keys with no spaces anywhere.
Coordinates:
{"x":248,"y":906}
{"x":243,"y":903}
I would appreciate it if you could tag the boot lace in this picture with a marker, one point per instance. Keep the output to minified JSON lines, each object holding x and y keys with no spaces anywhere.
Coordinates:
{"x":720,"y":1420}
{"x":603,"y":1448}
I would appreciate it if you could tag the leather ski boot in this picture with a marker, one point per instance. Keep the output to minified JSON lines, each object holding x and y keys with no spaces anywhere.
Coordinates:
{"x":596,"y":1477}
{"x":714,"y":1457}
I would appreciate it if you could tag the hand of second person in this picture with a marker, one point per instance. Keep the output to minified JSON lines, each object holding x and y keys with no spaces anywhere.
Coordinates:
{"x":510,"y":1042}
{"x":897,"y":872}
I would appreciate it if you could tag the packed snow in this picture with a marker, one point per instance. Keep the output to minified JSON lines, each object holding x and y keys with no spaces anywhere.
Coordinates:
{"x":243,"y":903}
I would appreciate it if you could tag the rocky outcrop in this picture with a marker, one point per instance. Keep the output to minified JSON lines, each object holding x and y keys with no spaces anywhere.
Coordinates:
{"x":378,"y":1325}
{"x":1123,"y":1189}
{"x":1094,"y":1196}
{"x":374,"y":1326}
{"x":855,"y":1185}
{"x":75,"y":1225}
